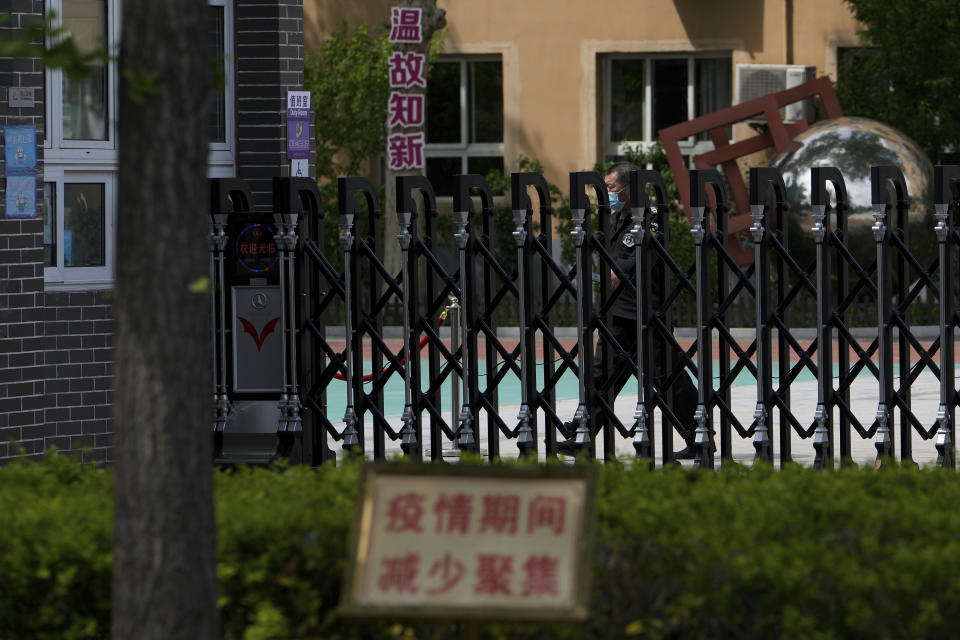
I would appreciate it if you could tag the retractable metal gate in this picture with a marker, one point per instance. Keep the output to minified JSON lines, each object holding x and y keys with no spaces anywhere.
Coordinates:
{"x":331,"y":317}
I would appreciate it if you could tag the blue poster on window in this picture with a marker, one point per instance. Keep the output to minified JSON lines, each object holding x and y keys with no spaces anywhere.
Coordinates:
{"x":20,"y":146}
{"x":22,"y":196}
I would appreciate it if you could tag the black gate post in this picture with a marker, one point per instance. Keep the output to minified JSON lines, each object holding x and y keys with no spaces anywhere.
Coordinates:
{"x":533,"y":315}
{"x":467,"y":436}
{"x":840,"y":240}
{"x":411,"y":434}
{"x":491,"y":397}
{"x":579,"y":211}
{"x":881,"y":177}
{"x":944,"y":177}
{"x":346,"y":188}
{"x":640,"y":213}
{"x":823,"y":435}
{"x":294,"y":200}
{"x":703,"y":439}
{"x":367,"y":248}
{"x":762,"y":179}
{"x":226,"y":195}
{"x":639,"y":209}
{"x":522,"y":219}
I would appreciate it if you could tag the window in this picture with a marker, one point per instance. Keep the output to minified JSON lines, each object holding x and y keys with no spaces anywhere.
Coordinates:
{"x":645,"y":93}
{"x":80,"y":153}
{"x":86,"y":109}
{"x":464,"y":124}
{"x":81,"y":113}
{"x":79,"y":206}
{"x":221,"y":162}
{"x":77,"y":224}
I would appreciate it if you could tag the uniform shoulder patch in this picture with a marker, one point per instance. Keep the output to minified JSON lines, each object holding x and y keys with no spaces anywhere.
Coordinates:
{"x":628,"y":239}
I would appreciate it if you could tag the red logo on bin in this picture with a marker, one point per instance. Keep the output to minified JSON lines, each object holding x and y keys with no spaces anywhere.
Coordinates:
{"x":261,"y":336}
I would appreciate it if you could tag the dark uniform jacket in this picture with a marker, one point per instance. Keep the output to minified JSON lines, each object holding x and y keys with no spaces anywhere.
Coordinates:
{"x":621,"y":250}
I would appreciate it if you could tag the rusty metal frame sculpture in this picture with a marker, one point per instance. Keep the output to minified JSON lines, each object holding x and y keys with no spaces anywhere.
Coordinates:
{"x":726,"y":153}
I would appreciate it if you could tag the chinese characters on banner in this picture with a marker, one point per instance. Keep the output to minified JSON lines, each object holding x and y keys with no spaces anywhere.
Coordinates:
{"x":406,"y":108}
{"x":471,"y":543}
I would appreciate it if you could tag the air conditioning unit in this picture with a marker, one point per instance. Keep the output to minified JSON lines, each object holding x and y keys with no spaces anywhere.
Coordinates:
{"x":755,"y":80}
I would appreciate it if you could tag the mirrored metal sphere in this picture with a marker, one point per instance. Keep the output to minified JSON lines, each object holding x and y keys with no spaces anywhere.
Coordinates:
{"x":853,"y":145}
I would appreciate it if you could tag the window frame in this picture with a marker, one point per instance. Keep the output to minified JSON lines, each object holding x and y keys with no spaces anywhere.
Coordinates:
{"x":82,"y":162}
{"x":691,"y":146}
{"x":83,"y":277}
{"x":55,"y":146}
{"x":464,"y":150}
{"x":96,"y":161}
{"x":221,"y":157}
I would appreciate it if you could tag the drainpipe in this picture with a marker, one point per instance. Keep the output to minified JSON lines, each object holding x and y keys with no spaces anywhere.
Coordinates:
{"x":788,"y":28}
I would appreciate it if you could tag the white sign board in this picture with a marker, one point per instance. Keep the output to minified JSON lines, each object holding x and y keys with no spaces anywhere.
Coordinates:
{"x":471,"y":542}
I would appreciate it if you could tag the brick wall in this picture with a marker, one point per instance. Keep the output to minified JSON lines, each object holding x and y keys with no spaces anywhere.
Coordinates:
{"x":23,"y":370}
{"x":78,"y":337}
{"x":55,"y":347}
{"x":269,"y":41}
{"x":56,"y":355}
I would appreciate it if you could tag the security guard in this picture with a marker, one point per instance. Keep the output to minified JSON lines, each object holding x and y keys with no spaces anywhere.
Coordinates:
{"x":623,"y":318}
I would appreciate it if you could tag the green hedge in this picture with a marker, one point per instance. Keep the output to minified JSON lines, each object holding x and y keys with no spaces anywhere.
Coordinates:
{"x":55,"y":555}
{"x":680,"y":554}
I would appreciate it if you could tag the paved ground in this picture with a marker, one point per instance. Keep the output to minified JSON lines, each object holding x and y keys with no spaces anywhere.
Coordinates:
{"x":864,"y":394}
{"x":863,"y":402}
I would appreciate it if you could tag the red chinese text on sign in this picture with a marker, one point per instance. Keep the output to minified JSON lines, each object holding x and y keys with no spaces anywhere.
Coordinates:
{"x":406,"y":70}
{"x":447,"y":572}
{"x":405,"y":512}
{"x":400,"y":573}
{"x":494,"y":573}
{"x":540,"y":576}
{"x":405,"y":110}
{"x":547,"y":512}
{"x":405,"y":25}
{"x":405,"y":150}
{"x":453,"y":513}
{"x":500,"y":513}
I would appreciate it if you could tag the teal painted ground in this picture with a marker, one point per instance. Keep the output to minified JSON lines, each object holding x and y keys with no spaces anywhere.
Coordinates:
{"x":567,"y":388}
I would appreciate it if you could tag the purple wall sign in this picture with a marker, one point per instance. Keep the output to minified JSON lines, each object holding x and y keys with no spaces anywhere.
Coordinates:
{"x":298,"y":125}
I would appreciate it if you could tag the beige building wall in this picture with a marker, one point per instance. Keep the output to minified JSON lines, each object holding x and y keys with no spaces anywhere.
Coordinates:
{"x":551,"y":52}
{"x":821,"y":26}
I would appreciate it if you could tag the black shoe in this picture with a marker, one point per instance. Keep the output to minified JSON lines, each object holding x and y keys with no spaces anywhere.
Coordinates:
{"x":569,"y":447}
{"x":684,"y":454}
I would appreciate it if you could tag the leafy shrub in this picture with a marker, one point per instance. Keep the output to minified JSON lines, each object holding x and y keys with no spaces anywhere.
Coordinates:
{"x":777,"y":554}
{"x":741,"y":553}
{"x":55,"y":550}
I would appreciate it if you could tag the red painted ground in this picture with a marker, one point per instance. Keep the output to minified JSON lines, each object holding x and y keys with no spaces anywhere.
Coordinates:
{"x":568,"y":343}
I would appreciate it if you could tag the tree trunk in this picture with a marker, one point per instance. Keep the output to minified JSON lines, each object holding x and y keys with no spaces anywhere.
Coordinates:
{"x":432,"y":19}
{"x":164,"y":539}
